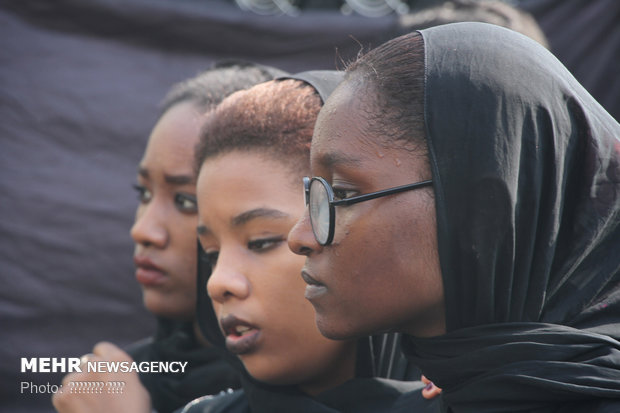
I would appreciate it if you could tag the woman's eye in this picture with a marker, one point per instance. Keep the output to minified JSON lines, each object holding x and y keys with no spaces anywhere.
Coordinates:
{"x":266,"y":244}
{"x":144,"y":194}
{"x":186,"y":202}
{"x":340,"y":193}
{"x":212,"y":257}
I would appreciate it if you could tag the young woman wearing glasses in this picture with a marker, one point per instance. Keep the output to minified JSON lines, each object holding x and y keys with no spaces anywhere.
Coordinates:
{"x":467,"y":193}
{"x":254,"y":149}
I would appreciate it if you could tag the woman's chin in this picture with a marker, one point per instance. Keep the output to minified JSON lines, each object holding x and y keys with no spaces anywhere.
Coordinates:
{"x":334,"y":330}
{"x":260,"y":368}
{"x":161,"y":307}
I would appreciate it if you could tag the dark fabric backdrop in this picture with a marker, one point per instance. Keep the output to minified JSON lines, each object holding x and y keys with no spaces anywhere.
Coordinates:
{"x":80,"y":81}
{"x":585,"y":36}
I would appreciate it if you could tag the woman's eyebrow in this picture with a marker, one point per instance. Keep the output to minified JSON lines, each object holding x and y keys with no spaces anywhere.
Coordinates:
{"x":331,"y":159}
{"x":247,"y":216}
{"x":179,"y":179}
{"x":172,"y":179}
{"x":244,"y":217}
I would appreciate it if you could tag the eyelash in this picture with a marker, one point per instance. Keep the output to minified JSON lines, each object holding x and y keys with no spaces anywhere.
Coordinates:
{"x":264,"y":244}
{"x":142,"y":193}
{"x":212,"y":257}
{"x":341,"y":193}
{"x":259,"y":246}
{"x":145,"y":195}
{"x":181,"y":199}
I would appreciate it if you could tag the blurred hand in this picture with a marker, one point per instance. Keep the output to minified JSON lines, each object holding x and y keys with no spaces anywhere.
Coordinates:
{"x":99,"y":397}
{"x":430,"y":391}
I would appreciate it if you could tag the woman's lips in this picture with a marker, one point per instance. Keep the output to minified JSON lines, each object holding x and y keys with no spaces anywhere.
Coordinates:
{"x":314,"y":289}
{"x":241,"y":336}
{"x":147,"y":273}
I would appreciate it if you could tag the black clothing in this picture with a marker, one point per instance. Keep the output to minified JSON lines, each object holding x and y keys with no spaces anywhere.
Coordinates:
{"x":324,"y":82}
{"x":526,"y":172}
{"x":206,"y":372}
{"x":365,"y":393}
{"x":371,"y":395}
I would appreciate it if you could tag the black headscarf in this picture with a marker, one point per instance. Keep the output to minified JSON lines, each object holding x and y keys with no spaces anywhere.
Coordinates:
{"x":365,"y":393}
{"x":526,"y":171}
{"x":206,"y":371}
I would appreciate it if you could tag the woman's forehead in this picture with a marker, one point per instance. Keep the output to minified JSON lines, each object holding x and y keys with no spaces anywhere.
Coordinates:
{"x":343,"y":114}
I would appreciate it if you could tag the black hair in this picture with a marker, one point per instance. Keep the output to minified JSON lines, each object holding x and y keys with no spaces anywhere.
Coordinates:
{"x":210,"y":87}
{"x":391,"y":79}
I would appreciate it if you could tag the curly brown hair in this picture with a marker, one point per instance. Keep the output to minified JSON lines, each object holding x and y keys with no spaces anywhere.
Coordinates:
{"x":276,"y":118}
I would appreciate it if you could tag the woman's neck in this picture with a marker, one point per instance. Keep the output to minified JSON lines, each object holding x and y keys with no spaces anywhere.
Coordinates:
{"x":341,"y":371}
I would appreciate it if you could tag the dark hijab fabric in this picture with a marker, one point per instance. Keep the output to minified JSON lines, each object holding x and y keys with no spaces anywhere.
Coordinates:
{"x":363,"y":394}
{"x":206,"y":371}
{"x":526,"y":170}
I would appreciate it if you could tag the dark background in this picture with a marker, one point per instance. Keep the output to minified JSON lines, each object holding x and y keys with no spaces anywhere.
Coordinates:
{"x":80,"y":82}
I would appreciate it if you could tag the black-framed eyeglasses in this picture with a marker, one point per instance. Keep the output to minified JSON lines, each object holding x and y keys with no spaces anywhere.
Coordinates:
{"x":321,"y":204}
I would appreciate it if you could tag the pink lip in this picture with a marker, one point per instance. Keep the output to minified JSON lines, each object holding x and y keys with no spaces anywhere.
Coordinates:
{"x":239,"y":343}
{"x":314,"y":289}
{"x":147,"y":272}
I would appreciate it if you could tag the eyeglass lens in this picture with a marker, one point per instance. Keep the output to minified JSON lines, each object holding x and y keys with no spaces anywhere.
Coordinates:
{"x":319,"y":210}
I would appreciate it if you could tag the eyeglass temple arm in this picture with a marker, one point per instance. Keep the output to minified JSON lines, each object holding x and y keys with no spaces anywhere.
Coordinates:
{"x":378,"y":194}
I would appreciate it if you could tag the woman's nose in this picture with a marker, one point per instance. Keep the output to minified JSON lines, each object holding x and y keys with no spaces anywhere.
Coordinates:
{"x":149,"y":227}
{"x":227,"y":280}
{"x":301,"y":239}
